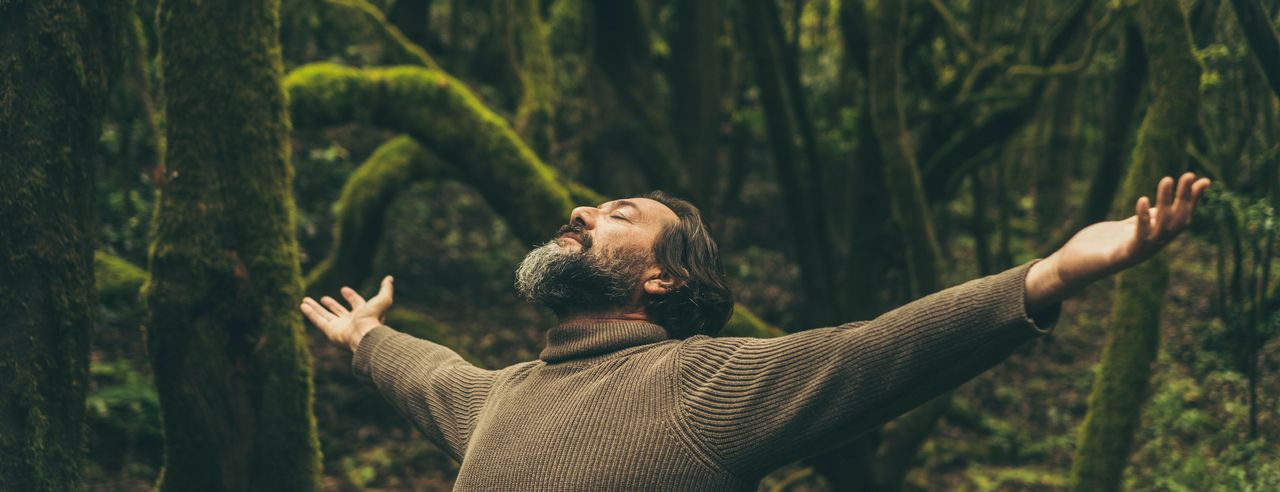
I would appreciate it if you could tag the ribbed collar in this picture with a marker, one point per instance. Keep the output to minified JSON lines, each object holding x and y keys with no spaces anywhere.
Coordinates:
{"x":579,"y":339}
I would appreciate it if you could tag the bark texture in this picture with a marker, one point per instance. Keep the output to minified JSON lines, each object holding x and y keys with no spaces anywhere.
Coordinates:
{"x":1120,"y":387}
{"x":57,"y":59}
{"x":224,"y":334}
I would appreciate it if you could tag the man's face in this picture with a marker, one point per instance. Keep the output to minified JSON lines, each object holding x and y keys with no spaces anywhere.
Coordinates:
{"x":598,"y":261}
{"x":620,"y":225}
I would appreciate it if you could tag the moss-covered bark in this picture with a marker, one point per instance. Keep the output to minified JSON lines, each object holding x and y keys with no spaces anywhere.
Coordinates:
{"x":440,"y":113}
{"x":224,"y":334}
{"x":57,"y":59}
{"x":1119,"y":390}
{"x":526,"y":37}
{"x":395,"y":166}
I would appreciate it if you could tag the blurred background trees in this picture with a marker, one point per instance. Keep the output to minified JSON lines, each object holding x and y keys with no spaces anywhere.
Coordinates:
{"x":850,"y":156}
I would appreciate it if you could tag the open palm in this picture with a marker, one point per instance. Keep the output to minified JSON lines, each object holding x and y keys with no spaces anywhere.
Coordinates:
{"x":346,"y":327}
{"x":1108,"y":247}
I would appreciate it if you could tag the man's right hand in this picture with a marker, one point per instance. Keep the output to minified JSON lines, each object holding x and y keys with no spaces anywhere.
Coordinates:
{"x":344,"y":327}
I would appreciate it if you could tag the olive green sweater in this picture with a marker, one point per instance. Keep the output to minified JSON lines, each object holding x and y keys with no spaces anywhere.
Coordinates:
{"x":620,"y":406}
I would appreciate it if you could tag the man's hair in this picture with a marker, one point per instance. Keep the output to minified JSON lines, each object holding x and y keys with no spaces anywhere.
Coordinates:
{"x":700,"y":303}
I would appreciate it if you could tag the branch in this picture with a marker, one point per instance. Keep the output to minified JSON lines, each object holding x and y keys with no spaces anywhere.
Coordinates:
{"x":1262,"y":38}
{"x":440,"y":113}
{"x":401,"y":49}
{"x":393,"y":167}
{"x":1090,"y":47}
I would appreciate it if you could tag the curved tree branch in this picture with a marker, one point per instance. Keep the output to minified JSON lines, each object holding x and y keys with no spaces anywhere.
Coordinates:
{"x":442,"y":114}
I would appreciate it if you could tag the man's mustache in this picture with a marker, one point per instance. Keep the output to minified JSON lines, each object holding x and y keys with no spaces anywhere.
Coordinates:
{"x":577,"y":232}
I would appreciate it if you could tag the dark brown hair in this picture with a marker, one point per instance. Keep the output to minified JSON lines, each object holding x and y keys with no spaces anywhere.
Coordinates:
{"x":701,"y":302}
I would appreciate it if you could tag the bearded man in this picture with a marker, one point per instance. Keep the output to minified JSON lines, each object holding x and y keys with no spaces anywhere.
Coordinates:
{"x":632,"y":392}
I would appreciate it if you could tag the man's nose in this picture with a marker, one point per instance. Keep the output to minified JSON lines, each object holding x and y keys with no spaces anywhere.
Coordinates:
{"x":585,"y":215}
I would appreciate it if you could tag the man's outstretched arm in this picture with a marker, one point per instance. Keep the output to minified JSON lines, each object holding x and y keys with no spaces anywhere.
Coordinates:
{"x":427,"y":383}
{"x":754,"y":404}
{"x":1106,"y":248}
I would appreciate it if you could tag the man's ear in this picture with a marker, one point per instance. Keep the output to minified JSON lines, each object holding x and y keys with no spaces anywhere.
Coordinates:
{"x":658,"y":282}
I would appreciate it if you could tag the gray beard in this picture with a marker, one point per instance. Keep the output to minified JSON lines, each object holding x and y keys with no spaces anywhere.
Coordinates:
{"x":576,"y":282}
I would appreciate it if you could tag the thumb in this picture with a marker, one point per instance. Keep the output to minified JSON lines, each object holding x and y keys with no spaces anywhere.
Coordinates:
{"x":385,"y":294}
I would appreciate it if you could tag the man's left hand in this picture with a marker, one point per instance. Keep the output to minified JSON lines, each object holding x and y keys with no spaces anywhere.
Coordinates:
{"x":1106,"y":248}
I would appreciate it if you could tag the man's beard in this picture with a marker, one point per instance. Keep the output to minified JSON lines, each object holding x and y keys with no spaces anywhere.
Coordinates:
{"x":575,"y":282}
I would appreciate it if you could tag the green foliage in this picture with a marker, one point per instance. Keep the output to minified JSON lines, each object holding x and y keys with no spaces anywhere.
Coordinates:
{"x":123,"y":415}
{"x":1194,"y":438}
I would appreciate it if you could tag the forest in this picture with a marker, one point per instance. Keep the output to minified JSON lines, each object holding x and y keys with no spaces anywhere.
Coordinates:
{"x":176,"y":175}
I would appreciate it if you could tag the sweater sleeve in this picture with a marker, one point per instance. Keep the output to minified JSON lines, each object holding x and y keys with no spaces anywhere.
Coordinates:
{"x":755,"y":404}
{"x":427,"y":383}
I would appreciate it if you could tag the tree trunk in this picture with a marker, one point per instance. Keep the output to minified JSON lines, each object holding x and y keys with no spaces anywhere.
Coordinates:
{"x":1262,"y":38}
{"x":806,"y":220}
{"x":225,"y":336}
{"x":526,"y":39}
{"x":59,"y":59}
{"x":1119,"y":390}
{"x":910,"y":211}
{"x":694,"y":77}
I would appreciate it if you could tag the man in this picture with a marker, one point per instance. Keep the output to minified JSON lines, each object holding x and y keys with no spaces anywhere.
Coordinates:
{"x":631,"y":393}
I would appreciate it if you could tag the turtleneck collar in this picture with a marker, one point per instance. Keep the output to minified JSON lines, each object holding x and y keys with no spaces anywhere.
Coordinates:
{"x":579,"y":339}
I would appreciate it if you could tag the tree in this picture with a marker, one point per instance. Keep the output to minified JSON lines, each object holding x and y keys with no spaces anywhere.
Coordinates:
{"x":59,"y":59}
{"x":1119,"y":390}
{"x":224,"y":334}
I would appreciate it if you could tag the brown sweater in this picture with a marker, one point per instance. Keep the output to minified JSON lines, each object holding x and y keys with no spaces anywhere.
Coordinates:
{"x":619,"y":406}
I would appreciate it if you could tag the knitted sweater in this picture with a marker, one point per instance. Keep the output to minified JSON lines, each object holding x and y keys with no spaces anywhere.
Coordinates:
{"x":620,"y":406}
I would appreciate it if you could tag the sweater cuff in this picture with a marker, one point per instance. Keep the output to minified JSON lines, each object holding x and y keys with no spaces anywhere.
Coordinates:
{"x":361,"y":362}
{"x":1041,"y":321}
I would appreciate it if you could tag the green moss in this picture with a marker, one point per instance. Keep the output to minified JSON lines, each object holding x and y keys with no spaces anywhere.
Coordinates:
{"x":58,"y":59}
{"x":442,"y":115}
{"x":117,"y":281}
{"x":1119,"y":390}
{"x":395,"y":166}
{"x":526,"y":38}
{"x":224,"y":334}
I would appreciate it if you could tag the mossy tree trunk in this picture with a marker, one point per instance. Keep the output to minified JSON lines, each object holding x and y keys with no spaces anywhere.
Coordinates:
{"x":1119,"y":390}
{"x":393,"y":167}
{"x":57,"y":60}
{"x":530,"y":59}
{"x":910,"y":212}
{"x":224,"y":333}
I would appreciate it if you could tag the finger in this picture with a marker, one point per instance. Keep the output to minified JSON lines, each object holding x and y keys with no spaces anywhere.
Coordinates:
{"x":336,"y":307}
{"x":1164,"y":202}
{"x":1143,"y":213}
{"x":315,"y":316}
{"x":1182,"y":199}
{"x":352,"y":297}
{"x":320,"y":311}
{"x":1197,"y":190}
